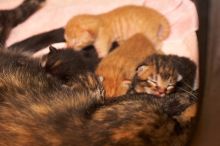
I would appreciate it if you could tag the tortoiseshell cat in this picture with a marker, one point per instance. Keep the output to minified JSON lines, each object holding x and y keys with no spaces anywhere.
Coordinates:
{"x":116,"y":25}
{"x":142,"y":120}
{"x":11,"y":18}
{"x":160,"y":74}
{"x":118,"y":67}
{"x":34,"y":112}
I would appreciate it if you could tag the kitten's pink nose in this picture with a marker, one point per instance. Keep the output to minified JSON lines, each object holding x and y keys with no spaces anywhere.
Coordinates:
{"x":162,"y":90}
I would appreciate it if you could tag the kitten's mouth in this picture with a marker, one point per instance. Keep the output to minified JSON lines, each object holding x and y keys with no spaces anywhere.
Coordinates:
{"x":160,"y":94}
{"x":155,"y":92}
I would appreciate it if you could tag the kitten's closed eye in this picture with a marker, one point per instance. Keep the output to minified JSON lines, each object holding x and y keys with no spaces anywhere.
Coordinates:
{"x":170,"y":86}
{"x":152,"y":82}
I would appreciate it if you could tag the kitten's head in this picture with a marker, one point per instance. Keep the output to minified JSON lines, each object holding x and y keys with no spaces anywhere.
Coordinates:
{"x":156,"y":76}
{"x":81,"y":31}
{"x":60,"y":63}
{"x":65,"y":63}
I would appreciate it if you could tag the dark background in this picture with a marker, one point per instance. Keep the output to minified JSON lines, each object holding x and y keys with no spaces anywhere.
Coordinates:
{"x":207,"y":132}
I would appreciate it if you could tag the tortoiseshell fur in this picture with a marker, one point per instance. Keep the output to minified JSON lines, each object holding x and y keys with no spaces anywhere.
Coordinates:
{"x":11,"y":18}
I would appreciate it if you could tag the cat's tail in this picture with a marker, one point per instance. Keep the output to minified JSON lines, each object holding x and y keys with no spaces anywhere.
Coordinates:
{"x":164,"y":29}
{"x":25,"y":10}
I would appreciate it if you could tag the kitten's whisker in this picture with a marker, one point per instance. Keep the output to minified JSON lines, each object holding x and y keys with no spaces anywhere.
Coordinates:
{"x":187,"y":85}
{"x":190,"y":93}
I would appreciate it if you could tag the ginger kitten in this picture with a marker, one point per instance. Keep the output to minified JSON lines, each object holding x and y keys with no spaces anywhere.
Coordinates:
{"x":116,"y":25}
{"x":118,"y":68}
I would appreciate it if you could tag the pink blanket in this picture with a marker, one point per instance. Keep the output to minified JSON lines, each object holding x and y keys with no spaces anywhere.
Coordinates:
{"x":181,"y":14}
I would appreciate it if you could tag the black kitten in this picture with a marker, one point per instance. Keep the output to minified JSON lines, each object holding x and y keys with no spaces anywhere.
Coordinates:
{"x":11,"y":18}
{"x":65,"y":63}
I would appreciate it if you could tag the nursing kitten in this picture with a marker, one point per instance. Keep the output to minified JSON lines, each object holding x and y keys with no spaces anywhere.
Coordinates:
{"x":66,"y":63}
{"x":11,"y":18}
{"x":161,"y":74}
{"x":116,"y":25}
{"x":118,"y":68}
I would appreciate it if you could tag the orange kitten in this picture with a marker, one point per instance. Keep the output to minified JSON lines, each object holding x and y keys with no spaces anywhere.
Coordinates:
{"x":116,"y":25}
{"x":118,"y":68}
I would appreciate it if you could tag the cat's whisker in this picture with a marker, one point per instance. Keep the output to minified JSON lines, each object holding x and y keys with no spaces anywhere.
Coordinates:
{"x":188,"y":92}
{"x":187,"y":85}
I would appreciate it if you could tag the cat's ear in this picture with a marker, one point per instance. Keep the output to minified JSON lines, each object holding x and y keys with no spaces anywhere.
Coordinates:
{"x":179,"y":77}
{"x":141,"y":69}
{"x":52,"y":49}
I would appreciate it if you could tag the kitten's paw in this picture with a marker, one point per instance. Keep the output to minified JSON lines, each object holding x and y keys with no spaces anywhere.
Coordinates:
{"x":101,"y":54}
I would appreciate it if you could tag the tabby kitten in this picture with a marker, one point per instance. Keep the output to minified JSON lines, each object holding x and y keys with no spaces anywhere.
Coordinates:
{"x":11,"y":18}
{"x":118,"y":68}
{"x":160,"y":74}
{"x":66,"y":63}
{"x":116,"y":25}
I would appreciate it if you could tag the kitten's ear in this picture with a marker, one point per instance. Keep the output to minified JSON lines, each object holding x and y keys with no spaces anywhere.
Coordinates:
{"x":52,"y":49}
{"x":179,"y":77}
{"x":90,"y":33}
{"x":141,"y":69}
{"x":126,"y":83}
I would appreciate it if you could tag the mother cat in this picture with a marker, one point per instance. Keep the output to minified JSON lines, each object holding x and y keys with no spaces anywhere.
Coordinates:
{"x":116,"y":25}
{"x":35,"y":110}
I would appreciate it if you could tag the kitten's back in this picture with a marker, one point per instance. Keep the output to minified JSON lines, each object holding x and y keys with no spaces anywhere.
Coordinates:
{"x":131,"y":19}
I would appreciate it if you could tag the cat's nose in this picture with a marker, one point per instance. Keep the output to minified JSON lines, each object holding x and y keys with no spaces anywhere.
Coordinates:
{"x":162,"y":90}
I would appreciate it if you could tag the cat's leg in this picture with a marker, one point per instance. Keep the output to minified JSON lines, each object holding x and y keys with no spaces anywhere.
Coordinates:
{"x":103,"y":43}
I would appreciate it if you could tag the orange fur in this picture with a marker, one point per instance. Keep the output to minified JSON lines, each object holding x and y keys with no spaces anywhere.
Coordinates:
{"x":116,"y":25}
{"x":118,"y":68}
